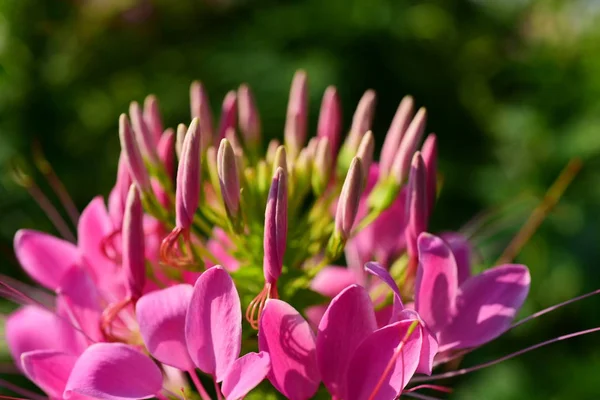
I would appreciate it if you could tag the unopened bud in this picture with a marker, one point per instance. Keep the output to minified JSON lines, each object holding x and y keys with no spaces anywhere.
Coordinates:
{"x":166,"y":152}
{"x":249,"y":117}
{"x":349,"y":199}
{"x":416,"y":203}
{"x":133,"y":258}
{"x":408,"y":146}
{"x":152,"y":117}
{"x":322,"y":166}
{"x":330,"y":119}
{"x":271,"y":150}
{"x":394,"y":135}
{"x":429,"y":153}
{"x":200,"y":108}
{"x":188,"y":177}
{"x":133,"y":156}
{"x":275,"y":234}
{"x":228,"y":114}
{"x":362,"y":120}
{"x":181,"y":131}
{"x":142,"y":134}
{"x":228,"y":178}
{"x":365,"y":153}
{"x":297,"y":114}
{"x":280,"y":161}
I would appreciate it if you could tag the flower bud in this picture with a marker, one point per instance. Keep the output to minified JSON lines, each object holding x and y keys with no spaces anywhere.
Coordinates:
{"x":200,"y":108}
{"x":142,"y":134}
{"x":228,"y":114}
{"x":416,"y":203}
{"x":322,"y":166}
{"x":134,"y":264}
{"x":228,"y":178}
{"x":249,"y":117}
{"x":365,"y":153}
{"x":181,"y":130}
{"x":408,"y":146}
{"x":272,"y":150}
{"x":133,"y":156}
{"x":349,"y":199}
{"x":165,"y":151}
{"x":429,"y":153}
{"x":330,"y":119}
{"x":297,"y":113}
{"x":188,"y":177}
{"x":280,"y":161}
{"x":275,"y":234}
{"x":152,"y":117}
{"x":394,"y":135}
{"x":361,"y":121}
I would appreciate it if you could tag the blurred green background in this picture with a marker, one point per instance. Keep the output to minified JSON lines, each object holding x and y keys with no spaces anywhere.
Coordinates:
{"x":512,"y":88}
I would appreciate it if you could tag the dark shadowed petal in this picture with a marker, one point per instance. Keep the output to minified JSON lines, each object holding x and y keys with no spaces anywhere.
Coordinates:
{"x":114,"y":371}
{"x":161,"y":316}
{"x":290,"y":342}
{"x":349,"y":319}
{"x":367,"y":376}
{"x":436,"y":285}
{"x":486,"y":306}
{"x":245,"y":373}
{"x":213,"y":326}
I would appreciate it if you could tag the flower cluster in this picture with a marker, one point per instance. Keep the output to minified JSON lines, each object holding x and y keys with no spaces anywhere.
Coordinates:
{"x":156,"y":285}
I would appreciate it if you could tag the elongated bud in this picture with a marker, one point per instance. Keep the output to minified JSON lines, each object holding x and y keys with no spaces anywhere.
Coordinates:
{"x":272,"y":150}
{"x":118,"y":197}
{"x":228,"y":114}
{"x":213,"y":173}
{"x":416,"y":203}
{"x":275,"y":235}
{"x":166,"y":153}
{"x":408,"y":146}
{"x":229,"y":180}
{"x":188,"y":177}
{"x":330,"y":119}
{"x":181,"y":131}
{"x":133,"y":156}
{"x":365,"y":153}
{"x":349,"y":199}
{"x":297,"y":114}
{"x":322,"y":166}
{"x":152,"y":117}
{"x":280,"y":161}
{"x":142,"y":134}
{"x":200,"y":108}
{"x":362,"y":120}
{"x":429,"y":154}
{"x":394,"y":136}
{"x":249,"y":118}
{"x":134,"y":264}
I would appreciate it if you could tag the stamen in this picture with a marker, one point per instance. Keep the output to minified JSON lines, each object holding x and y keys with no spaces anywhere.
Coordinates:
{"x":256,"y":306}
{"x":174,"y":253}
{"x":439,"y":388}
{"x":464,"y":371}
{"x":421,"y":396}
{"x":397,"y":353}
{"x":109,"y":314}
{"x":55,"y":183}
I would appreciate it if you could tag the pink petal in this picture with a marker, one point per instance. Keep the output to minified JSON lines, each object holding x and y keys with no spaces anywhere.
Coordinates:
{"x":23,"y":333}
{"x":245,"y":374}
{"x":213,"y":326}
{"x":48,"y":369}
{"x":486,"y":306}
{"x":462,"y":250}
{"x":385,"y":276}
{"x":114,"y":371}
{"x":94,"y":225}
{"x":349,"y":319}
{"x":161,"y":316}
{"x":44,"y":257}
{"x":314,"y":315}
{"x":79,"y":295}
{"x":331,"y":280}
{"x":220,"y":245}
{"x":429,"y":346}
{"x":371,"y":358}
{"x":436,"y":286}
{"x":290,"y":342}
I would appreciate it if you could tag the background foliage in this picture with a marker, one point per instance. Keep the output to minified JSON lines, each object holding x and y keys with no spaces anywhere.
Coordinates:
{"x":512,"y":88}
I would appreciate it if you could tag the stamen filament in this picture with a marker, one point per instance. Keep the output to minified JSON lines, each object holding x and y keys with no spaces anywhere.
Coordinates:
{"x":198,"y":385}
{"x":256,"y":306}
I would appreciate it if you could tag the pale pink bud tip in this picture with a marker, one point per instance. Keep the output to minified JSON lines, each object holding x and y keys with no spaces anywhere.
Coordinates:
{"x":228,"y":114}
{"x":365,"y":152}
{"x":249,"y":119}
{"x":152,"y":117}
{"x":188,"y":177}
{"x":296,"y":121}
{"x":408,"y":146}
{"x":416,"y":204}
{"x":228,"y":177}
{"x":142,"y":132}
{"x":200,"y":108}
{"x":275,"y":234}
{"x":395,"y":134}
{"x":133,"y":156}
{"x":330,"y":119}
{"x":362,"y":119}
{"x":349,"y":199}
{"x":133,"y":244}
